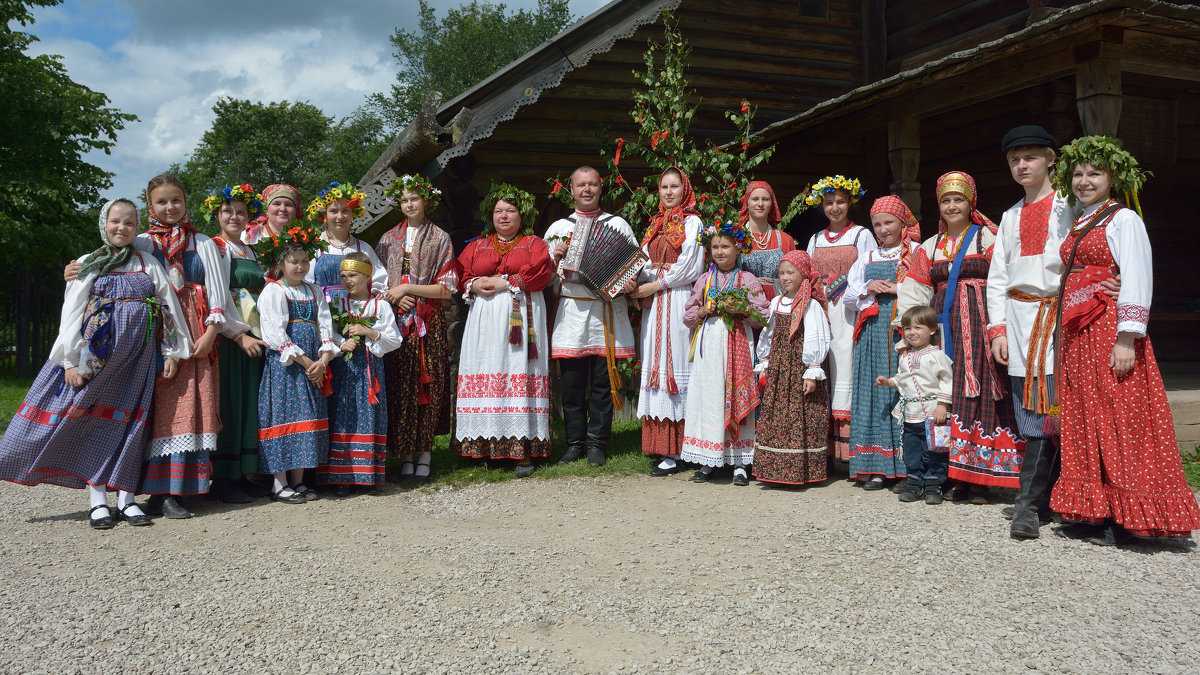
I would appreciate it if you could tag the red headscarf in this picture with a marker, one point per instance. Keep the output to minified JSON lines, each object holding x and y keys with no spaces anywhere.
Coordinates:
{"x":911,"y":234}
{"x":173,"y":239}
{"x":670,"y":221}
{"x":957,"y":182}
{"x":810,"y":287}
{"x":773,"y":216}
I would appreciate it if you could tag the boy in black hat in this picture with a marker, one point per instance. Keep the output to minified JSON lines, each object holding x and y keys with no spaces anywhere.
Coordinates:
{"x":1022,"y":294}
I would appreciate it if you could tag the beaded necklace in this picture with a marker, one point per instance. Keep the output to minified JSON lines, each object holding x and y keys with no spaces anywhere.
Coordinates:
{"x":1084,"y":221}
{"x":304,"y":309}
{"x":833,"y":238}
{"x":763,"y":243}
{"x":503,"y":247}
{"x":715,"y":284}
{"x":944,"y":244}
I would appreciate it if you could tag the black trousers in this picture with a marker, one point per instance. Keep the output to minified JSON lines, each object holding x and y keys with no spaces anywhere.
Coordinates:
{"x":586,"y":401}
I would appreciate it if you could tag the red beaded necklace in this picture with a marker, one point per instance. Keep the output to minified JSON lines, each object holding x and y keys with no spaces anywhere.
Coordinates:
{"x":833,"y":238}
{"x":503,"y":247}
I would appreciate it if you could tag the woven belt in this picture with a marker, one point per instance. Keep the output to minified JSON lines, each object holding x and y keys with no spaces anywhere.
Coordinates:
{"x":1036,"y":396}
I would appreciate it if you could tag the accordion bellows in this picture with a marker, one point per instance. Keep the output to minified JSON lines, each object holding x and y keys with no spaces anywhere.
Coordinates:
{"x":601,"y":258}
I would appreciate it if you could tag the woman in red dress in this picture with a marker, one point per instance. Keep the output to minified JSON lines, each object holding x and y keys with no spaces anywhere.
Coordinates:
{"x":1121,"y":471}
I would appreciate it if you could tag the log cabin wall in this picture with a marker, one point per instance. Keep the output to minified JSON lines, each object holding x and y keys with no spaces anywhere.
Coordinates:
{"x":919,"y":31}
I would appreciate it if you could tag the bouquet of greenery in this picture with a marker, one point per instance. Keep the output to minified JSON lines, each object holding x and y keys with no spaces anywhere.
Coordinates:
{"x":344,"y":317}
{"x":732,"y":304}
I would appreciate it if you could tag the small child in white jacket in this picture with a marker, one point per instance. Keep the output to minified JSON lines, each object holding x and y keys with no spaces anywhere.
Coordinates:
{"x":925,"y":383}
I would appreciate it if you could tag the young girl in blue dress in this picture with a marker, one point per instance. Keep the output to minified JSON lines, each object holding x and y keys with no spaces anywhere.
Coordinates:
{"x":84,"y":421}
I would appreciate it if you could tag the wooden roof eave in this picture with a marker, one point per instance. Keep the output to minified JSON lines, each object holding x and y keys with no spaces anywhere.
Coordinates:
{"x":1050,"y":31}
{"x":520,"y":83}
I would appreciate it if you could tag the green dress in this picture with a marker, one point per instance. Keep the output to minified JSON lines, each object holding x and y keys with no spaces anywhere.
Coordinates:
{"x":237,"y":442}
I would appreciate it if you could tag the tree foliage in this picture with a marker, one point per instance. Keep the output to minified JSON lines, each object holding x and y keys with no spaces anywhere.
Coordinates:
{"x":663,"y":112}
{"x":48,"y":123}
{"x":460,"y":50}
{"x":279,"y":142}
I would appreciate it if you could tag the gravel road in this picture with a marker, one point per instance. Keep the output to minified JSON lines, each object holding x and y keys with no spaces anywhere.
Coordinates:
{"x":583,"y":575}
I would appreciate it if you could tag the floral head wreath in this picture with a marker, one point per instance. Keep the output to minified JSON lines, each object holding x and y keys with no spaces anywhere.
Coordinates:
{"x":299,"y":236}
{"x":242,"y":193}
{"x":519,"y":198}
{"x":732,"y":229}
{"x":416,"y":184}
{"x":1106,"y":153}
{"x":815,"y":193}
{"x":336,"y":191}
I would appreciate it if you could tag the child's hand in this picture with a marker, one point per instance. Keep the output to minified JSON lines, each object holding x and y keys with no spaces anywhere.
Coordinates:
{"x":810,"y":386}
{"x":205,"y":344}
{"x":349,"y":345}
{"x":251,"y":345}
{"x":71,"y":273}
{"x":703,"y":310}
{"x":406,"y":303}
{"x":359,"y":330}
{"x":73,"y":378}
{"x":939,"y":413}
{"x":169,"y":368}
{"x":315,"y":372}
{"x":883,"y":381}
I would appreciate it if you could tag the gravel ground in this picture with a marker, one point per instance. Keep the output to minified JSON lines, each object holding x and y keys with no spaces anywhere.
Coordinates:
{"x":583,"y":575}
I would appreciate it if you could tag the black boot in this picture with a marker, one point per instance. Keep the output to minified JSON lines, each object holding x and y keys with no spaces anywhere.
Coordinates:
{"x":913,"y":490}
{"x":574,"y":453}
{"x":1035,"y":481}
{"x":599,"y":412}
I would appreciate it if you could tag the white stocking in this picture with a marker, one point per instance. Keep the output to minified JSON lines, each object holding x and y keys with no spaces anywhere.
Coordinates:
{"x":125,"y":499}
{"x":98,"y":496}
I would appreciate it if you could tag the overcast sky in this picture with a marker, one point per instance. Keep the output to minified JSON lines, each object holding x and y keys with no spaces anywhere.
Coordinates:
{"x":168,"y":62}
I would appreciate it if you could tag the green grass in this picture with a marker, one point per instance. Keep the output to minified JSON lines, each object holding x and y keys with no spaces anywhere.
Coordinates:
{"x":624,"y":454}
{"x":12,"y":392}
{"x":1191,"y":468}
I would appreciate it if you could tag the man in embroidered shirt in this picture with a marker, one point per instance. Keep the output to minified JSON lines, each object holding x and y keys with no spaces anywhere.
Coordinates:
{"x":589,"y":334}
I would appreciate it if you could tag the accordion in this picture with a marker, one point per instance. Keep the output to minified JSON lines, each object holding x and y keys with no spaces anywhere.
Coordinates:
{"x":600,"y":257}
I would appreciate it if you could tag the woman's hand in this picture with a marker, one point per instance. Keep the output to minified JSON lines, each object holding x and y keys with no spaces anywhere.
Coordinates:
{"x":71,"y":271}
{"x":1000,"y":349}
{"x":483,"y":286}
{"x":810,"y":386}
{"x":1112,"y":286}
{"x":349,"y":345}
{"x":406,"y":303}
{"x":647,"y":290}
{"x":1121,"y":359}
{"x":250,"y":345}
{"x":170,"y":366}
{"x":205,"y":344}
{"x":73,"y":378}
{"x":881,"y":287}
{"x":939,"y":413}
{"x":396,"y":293}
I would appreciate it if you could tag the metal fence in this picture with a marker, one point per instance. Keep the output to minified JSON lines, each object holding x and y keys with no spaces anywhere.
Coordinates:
{"x":30,"y":304}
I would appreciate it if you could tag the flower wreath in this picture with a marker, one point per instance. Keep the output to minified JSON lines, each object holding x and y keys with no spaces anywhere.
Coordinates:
{"x":336,"y":191}
{"x":525,"y":203}
{"x":416,"y":184}
{"x":728,"y":229}
{"x":242,"y":193}
{"x":299,"y":236}
{"x":1106,"y":153}
{"x":814,"y":194}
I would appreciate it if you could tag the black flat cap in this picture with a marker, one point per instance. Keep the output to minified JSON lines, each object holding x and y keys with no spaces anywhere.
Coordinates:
{"x":1028,"y":135}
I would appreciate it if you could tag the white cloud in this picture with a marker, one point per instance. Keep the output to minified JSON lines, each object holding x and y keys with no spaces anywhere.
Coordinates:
{"x":169,"y":62}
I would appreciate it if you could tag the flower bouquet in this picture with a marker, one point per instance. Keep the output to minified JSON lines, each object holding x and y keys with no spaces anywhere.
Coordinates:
{"x":344,"y":317}
{"x":734,"y":303}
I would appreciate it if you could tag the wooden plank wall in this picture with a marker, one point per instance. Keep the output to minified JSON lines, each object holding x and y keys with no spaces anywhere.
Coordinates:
{"x":919,"y":31}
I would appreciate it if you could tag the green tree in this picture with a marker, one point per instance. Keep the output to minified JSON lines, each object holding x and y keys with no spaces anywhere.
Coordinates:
{"x":279,"y":142}
{"x":467,"y":45}
{"x":48,"y":124}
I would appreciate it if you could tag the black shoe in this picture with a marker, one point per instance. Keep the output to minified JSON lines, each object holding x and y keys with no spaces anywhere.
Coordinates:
{"x":293,"y":498}
{"x":701,"y":476}
{"x":897,"y":487}
{"x":173,"y":509}
{"x":140,"y":520}
{"x":1108,"y":536}
{"x":523,"y":470}
{"x":740,"y":478}
{"x":309,"y":494}
{"x":407,"y":476}
{"x":1079,"y":530}
{"x":873,"y":485}
{"x":933,"y":493}
{"x":423,"y":480}
{"x":340,"y":490}
{"x":956,"y":493}
{"x":370,"y":490}
{"x":595,"y":456}
{"x":104,"y":522}
{"x":573,"y":454}
{"x":912,"y":491}
{"x":229,"y":492}
{"x":659,"y":472}
{"x":254,"y":488}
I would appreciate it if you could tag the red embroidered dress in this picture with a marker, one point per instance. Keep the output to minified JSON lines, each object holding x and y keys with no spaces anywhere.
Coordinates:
{"x":503,"y":406}
{"x":1120,"y":456}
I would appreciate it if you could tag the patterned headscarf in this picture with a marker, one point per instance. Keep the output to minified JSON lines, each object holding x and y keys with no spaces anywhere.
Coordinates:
{"x":773,"y":216}
{"x":281,"y":190}
{"x":670,"y":221}
{"x":911,"y":234}
{"x":174,"y":240}
{"x":108,"y":257}
{"x":957,"y":182}
{"x":810,"y":287}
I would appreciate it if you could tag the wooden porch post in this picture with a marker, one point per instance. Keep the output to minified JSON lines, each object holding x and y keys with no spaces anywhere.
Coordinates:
{"x":904,"y":156}
{"x":1098,"y":83}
